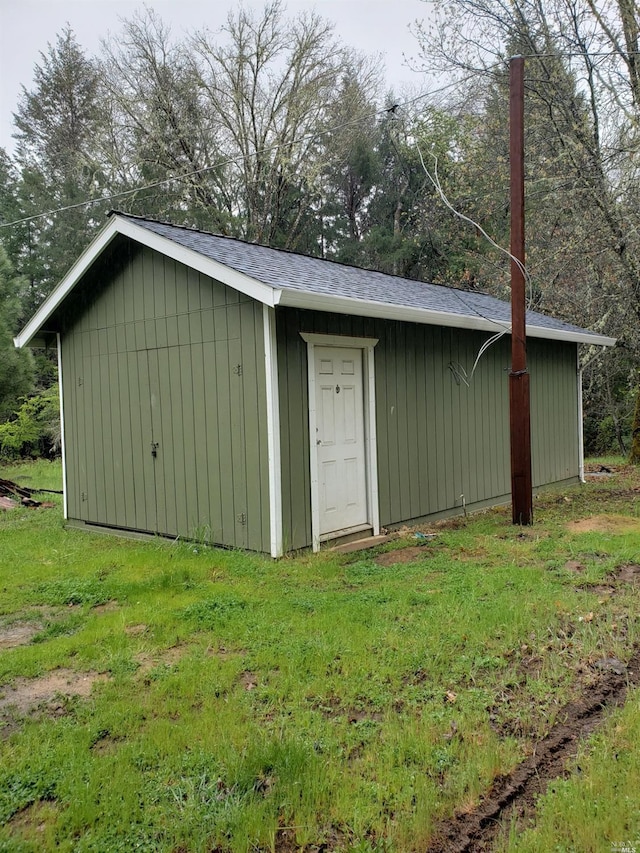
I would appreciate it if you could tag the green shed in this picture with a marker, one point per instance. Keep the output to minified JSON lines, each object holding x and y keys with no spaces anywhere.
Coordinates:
{"x":266,"y":400}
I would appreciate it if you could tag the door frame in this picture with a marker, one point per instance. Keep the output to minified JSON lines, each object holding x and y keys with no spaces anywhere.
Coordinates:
{"x":366,"y":346}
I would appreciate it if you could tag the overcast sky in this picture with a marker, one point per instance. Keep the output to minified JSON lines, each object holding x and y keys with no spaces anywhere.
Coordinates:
{"x":27,"y":26}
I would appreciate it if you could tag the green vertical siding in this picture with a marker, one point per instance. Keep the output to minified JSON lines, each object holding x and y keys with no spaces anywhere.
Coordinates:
{"x":156,"y":353}
{"x":554,"y":411}
{"x":439,"y":441}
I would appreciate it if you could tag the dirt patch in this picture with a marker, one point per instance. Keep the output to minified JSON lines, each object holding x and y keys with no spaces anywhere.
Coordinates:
{"x":514,"y":796}
{"x":168,"y":657}
{"x":598,"y":589}
{"x":331,"y":707}
{"x":358,"y":715}
{"x":32,"y":821}
{"x":18,"y":634}
{"x":224,"y":653}
{"x":104,"y":743}
{"x":415,"y":678}
{"x":616,"y":524}
{"x":25,"y":694}
{"x":628,"y":574}
{"x":403,"y":555}
{"x":136,"y":630}
{"x":249,"y":680}
{"x":599,"y":468}
{"x":107,"y":607}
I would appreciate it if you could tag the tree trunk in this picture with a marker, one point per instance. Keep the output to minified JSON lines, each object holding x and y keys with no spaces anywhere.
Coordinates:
{"x":634,"y":456}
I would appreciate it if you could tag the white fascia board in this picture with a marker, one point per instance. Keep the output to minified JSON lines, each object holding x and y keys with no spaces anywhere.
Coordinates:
{"x":195,"y":260}
{"x":387,"y":311}
{"x":592,"y":338}
{"x":189,"y":257}
{"x":67,"y":284}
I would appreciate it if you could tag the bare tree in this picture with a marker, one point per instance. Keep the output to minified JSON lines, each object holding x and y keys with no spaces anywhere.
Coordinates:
{"x":268,"y":87}
{"x":583,"y":77}
{"x":161,"y":128}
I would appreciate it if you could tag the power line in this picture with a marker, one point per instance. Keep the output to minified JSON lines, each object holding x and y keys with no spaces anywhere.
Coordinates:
{"x":435,"y":180}
{"x":234,"y":160}
{"x":585,"y":54}
{"x":243,"y":157}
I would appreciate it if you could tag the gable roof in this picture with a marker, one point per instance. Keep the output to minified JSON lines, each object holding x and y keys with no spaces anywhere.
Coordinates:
{"x":280,"y":278}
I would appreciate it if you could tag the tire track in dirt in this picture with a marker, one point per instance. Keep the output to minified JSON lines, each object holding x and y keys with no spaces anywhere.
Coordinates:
{"x":514,"y":795}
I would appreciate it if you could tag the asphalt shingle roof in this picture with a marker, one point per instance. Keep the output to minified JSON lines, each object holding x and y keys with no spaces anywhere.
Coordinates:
{"x":290,"y":271}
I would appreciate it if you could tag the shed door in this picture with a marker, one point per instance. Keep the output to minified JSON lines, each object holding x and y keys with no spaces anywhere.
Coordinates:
{"x":340,"y":438}
{"x":160,"y":441}
{"x":196,"y":440}
{"x":111,"y":412}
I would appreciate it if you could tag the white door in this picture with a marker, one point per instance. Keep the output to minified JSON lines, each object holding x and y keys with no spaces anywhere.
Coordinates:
{"x":340,"y":438}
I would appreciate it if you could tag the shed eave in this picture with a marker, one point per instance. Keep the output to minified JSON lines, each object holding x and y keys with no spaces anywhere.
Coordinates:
{"x":59,"y":294}
{"x":427,"y":316}
{"x":119,"y":225}
{"x":592,"y":338}
{"x":258,"y":290}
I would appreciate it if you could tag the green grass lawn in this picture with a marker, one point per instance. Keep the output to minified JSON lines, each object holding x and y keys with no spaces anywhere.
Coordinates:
{"x":219,"y":701}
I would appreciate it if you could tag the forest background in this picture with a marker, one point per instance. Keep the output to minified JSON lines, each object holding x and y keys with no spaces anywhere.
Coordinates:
{"x":274,"y":130}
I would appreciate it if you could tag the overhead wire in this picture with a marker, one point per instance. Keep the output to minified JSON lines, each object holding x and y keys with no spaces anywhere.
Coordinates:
{"x":439,"y":190}
{"x":233,"y":160}
{"x":243,"y":157}
{"x":505,"y":328}
{"x":435,"y":180}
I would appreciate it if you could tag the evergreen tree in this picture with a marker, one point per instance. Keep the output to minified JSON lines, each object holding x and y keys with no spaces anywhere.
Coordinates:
{"x":16,"y":366}
{"x":59,"y":123}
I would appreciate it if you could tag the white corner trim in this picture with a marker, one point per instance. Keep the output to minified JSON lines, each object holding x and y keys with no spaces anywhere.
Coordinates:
{"x":370,"y":437}
{"x":580,"y":422}
{"x":273,"y":431}
{"x":62,"y":429}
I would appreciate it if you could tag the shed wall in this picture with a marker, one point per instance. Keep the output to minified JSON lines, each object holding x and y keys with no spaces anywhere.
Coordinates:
{"x":555,"y":452}
{"x":439,"y":442}
{"x":165,"y":403}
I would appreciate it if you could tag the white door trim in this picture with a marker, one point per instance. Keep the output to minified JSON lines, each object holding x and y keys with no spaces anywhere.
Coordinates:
{"x":366,"y":345}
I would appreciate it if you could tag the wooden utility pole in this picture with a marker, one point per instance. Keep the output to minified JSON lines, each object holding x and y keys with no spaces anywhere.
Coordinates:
{"x":519,"y":406}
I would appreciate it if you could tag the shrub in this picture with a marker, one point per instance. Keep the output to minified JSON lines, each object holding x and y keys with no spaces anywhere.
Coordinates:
{"x":35,"y":428}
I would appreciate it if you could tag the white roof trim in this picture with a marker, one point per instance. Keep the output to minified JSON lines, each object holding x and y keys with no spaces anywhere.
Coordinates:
{"x":67,"y":284}
{"x":368,"y":308}
{"x":271,"y":296}
{"x":118,"y":225}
